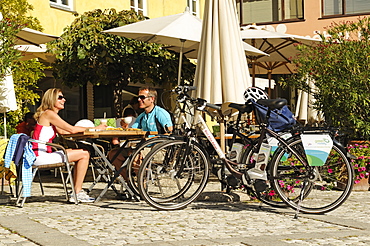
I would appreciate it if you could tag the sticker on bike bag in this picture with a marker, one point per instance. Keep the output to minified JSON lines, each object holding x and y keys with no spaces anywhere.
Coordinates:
{"x":317,"y":148}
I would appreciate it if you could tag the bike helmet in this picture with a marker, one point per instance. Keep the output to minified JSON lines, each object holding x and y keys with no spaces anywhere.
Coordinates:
{"x":254,"y":94}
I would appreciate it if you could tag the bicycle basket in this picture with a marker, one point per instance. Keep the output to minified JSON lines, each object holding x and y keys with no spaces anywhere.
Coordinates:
{"x":280,"y":119}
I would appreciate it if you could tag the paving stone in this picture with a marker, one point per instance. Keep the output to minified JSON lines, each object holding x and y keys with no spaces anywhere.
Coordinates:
{"x":216,"y":219}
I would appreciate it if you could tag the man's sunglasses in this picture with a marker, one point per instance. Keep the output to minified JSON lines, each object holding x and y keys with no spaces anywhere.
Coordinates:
{"x":142,"y":97}
{"x":60,"y":97}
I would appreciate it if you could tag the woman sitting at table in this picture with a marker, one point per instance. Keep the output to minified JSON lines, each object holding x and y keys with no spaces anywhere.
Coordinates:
{"x":48,"y":124}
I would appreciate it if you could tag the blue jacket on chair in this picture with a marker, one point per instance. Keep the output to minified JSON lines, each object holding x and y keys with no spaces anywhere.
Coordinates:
{"x":18,"y":148}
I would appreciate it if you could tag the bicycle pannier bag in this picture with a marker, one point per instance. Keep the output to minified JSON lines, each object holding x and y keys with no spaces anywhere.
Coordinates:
{"x":280,"y":119}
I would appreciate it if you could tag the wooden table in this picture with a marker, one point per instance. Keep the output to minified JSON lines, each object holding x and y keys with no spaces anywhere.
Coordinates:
{"x":109,"y":172}
{"x":93,"y":133}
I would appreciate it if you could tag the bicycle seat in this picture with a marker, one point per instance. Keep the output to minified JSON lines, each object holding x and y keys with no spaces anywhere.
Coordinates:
{"x":273,"y":103}
{"x":242,"y":108}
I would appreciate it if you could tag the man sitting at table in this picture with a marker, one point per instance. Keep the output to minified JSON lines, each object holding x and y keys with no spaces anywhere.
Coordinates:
{"x":154,"y":118}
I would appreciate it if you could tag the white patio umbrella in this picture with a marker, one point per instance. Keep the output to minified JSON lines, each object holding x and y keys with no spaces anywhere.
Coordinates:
{"x":8,"y":101}
{"x":305,"y":111}
{"x":280,"y":47}
{"x":28,"y":36}
{"x":33,"y":51}
{"x":222,"y":72}
{"x":181,"y":32}
{"x":192,"y":52}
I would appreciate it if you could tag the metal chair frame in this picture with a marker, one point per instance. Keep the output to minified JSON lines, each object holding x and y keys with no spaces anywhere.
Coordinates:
{"x":67,"y":164}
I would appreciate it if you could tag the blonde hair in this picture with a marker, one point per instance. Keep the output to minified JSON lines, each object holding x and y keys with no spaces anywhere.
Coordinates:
{"x":48,"y":101}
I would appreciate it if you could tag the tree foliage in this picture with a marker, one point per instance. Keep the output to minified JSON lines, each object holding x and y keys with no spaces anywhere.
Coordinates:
{"x":25,"y":73}
{"x":340,"y":69}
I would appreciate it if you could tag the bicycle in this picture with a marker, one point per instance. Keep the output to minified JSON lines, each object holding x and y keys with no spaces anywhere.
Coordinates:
{"x":301,"y":185}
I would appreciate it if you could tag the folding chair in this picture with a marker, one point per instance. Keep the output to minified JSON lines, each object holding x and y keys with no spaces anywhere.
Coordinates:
{"x":95,"y":159}
{"x":35,"y":169}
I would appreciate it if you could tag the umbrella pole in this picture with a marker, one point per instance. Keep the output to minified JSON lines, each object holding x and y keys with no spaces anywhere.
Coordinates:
{"x":222,"y":134}
{"x":253,"y":73}
{"x":269,"y":77}
{"x":5,"y":135}
{"x":180,"y":61}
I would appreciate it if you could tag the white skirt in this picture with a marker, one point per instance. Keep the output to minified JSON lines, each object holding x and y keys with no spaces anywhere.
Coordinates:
{"x":49,"y":158}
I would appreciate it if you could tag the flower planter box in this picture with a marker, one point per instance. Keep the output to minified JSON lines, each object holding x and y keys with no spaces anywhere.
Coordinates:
{"x":363,"y":185}
{"x":361,"y":165}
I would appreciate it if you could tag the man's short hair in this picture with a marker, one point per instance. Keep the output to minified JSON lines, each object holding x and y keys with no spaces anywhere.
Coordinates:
{"x":151,"y":92}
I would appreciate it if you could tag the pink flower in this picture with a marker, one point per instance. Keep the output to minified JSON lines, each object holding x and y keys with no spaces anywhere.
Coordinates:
{"x":357,"y":181}
{"x":362,"y":175}
{"x":330,"y":170}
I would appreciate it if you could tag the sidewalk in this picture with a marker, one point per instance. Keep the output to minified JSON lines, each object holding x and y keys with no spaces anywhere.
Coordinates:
{"x":52,"y":221}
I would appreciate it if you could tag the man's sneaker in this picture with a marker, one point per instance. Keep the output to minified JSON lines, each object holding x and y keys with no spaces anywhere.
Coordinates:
{"x":81,"y":197}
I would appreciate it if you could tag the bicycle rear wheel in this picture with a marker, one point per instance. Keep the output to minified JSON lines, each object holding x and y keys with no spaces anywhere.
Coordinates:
{"x":311,"y":189}
{"x":170,"y":177}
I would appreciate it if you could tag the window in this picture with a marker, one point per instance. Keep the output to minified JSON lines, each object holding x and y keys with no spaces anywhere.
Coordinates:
{"x":194,"y":7}
{"x":139,"y":6}
{"x":62,"y":4}
{"x":260,"y":11}
{"x":345,"y":7}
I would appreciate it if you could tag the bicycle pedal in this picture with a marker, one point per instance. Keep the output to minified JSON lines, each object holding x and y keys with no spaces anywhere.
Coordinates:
{"x":232,"y":181}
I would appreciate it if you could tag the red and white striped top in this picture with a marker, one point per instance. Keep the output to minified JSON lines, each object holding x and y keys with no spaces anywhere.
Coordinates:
{"x":43,"y":133}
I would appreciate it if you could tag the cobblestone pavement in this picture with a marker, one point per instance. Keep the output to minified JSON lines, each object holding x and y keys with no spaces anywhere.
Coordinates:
{"x":222,"y":220}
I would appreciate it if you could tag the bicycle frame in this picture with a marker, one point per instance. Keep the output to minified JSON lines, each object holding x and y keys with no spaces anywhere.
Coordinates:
{"x":198,"y":122}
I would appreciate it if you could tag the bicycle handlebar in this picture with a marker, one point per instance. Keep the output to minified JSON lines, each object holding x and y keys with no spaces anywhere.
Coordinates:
{"x":182,"y":92}
{"x":183,"y":89}
{"x":213,"y":106}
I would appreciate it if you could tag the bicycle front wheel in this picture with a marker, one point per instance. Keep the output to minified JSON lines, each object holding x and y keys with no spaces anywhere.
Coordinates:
{"x":136,"y":159}
{"x":311,"y":189}
{"x":173,"y":174}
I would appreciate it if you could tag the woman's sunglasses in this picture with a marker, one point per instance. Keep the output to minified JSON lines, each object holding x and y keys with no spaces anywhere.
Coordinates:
{"x":60,"y":97}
